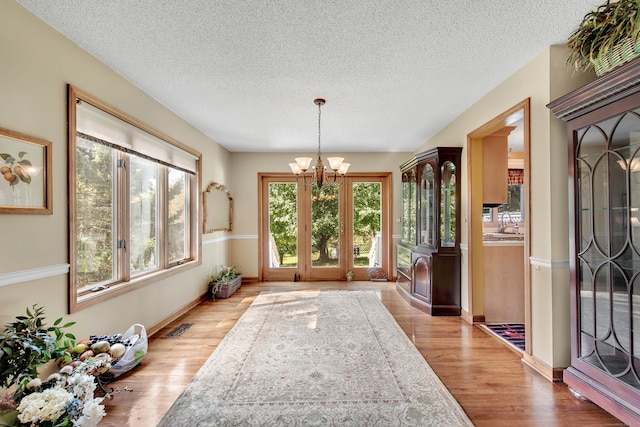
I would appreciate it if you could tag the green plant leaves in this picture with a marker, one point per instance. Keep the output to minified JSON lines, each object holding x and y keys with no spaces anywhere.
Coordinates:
{"x":28,"y":343}
{"x":601,"y":29}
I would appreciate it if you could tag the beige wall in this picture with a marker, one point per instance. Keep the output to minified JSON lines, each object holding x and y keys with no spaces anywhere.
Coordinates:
{"x":35,"y":66}
{"x":37,"y":63}
{"x":244,"y":178}
{"x":543,"y":79}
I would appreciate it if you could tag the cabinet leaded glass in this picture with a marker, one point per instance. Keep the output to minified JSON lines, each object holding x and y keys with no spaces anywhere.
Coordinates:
{"x":603,"y":121}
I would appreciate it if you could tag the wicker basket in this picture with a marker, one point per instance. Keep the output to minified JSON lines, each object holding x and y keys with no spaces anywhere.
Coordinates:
{"x":620,"y":54}
{"x":225,"y":290}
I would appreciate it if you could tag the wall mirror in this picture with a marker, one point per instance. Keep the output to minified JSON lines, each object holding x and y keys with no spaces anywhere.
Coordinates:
{"x":217,"y":206}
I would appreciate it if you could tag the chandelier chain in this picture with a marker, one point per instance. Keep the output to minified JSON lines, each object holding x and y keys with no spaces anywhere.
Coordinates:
{"x":319,"y":114}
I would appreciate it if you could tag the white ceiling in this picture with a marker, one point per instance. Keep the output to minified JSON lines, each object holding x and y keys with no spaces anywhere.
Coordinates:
{"x":246,"y":72}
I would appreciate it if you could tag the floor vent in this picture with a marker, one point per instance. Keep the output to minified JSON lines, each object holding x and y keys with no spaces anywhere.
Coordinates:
{"x":512,"y":333}
{"x":179,"y":330}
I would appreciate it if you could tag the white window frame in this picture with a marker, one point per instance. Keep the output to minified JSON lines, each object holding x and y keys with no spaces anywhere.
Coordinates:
{"x":154,"y":144}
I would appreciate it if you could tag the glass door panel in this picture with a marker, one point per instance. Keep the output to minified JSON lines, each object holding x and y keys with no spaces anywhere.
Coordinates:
{"x":283,"y":225}
{"x":281,"y":254}
{"x":427,"y":209}
{"x":366,"y":236}
{"x":448,"y":205}
{"x":409,"y":199}
{"x":143,"y":204}
{"x":607,"y":253}
{"x":326,"y":227}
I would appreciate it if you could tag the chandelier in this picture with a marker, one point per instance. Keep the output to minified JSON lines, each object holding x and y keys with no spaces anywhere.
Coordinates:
{"x":319,"y":175}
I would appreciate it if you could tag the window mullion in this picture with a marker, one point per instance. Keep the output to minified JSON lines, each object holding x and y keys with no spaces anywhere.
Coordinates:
{"x":122,"y":217}
{"x":192,"y":215}
{"x":162,"y":220}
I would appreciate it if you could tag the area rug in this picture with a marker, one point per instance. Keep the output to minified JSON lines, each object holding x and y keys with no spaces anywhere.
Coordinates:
{"x":513,"y":333}
{"x":316,"y":358}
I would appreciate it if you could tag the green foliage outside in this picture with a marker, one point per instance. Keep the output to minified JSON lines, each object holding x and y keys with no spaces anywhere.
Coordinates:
{"x":325,"y":226}
{"x":513,"y":202}
{"x":367,"y":218}
{"x":94,"y":212}
{"x":283,"y":221}
{"x":95,"y":182}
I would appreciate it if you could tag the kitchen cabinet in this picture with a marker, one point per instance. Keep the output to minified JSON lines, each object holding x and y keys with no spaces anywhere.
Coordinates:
{"x":603,"y":124}
{"x":503,"y":281}
{"x":428,"y":258}
{"x":495,"y":167}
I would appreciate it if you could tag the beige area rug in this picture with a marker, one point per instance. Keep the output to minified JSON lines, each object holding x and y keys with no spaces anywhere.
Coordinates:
{"x":316,"y":358}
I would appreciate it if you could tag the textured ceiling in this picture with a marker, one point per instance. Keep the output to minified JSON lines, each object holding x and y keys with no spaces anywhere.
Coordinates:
{"x":246,"y":72}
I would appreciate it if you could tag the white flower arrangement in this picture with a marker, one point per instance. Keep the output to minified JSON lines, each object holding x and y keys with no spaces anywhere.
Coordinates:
{"x":64,"y":396}
{"x":47,"y":405}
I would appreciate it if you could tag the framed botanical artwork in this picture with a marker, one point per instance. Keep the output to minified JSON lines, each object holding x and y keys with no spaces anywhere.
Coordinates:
{"x":25,"y":174}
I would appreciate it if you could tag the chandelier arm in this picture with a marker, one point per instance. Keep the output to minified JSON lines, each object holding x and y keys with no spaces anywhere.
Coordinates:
{"x":335,"y":178}
{"x":304,"y":180}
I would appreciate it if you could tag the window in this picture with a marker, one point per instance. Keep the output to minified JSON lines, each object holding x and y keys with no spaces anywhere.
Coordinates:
{"x":133,"y":202}
{"x":512,"y":210}
{"x":508,"y":214}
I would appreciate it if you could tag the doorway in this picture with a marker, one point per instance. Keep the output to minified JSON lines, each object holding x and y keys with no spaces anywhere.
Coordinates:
{"x":499,"y":233}
{"x":336,"y":233}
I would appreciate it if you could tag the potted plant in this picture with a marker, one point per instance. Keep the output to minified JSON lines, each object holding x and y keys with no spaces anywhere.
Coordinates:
{"x":607,"y":37}
{"x":224,"y":281}
{"x":63,"y":398}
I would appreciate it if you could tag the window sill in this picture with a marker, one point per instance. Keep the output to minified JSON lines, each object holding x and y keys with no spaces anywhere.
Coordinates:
{"x":116,"y":289}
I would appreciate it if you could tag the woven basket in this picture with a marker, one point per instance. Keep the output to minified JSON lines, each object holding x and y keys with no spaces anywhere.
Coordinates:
{"x":620,"y":54}
{"x":225,"y":290}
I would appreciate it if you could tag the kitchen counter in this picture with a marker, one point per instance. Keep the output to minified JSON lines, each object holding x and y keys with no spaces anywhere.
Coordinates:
{"x":502,"y":239}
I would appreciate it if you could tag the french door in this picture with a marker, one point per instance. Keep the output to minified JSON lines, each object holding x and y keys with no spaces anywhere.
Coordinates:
{"x":311,"y":234}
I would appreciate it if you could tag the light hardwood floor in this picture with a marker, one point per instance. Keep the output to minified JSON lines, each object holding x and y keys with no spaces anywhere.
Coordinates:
{"x":488,"y":379}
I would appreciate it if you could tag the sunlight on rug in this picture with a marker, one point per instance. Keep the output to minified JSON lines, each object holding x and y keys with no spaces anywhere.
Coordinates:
{"x":311,"y":358}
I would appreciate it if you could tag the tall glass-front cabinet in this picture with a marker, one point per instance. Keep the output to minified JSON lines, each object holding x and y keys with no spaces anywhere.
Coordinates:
{"x":603,"y":121}
{"x":428,"y":258}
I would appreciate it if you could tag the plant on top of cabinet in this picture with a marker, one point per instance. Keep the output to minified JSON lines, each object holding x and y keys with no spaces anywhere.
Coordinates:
{"x":607,"y":37}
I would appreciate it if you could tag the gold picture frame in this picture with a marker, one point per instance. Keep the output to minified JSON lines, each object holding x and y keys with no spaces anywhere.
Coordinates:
{"x":25,"y":174}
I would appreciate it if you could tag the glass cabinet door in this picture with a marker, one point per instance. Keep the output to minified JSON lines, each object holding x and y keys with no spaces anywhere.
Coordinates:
{"x":427,"y":207}
{"x":608,"y":246}
{"x":448,"y":205}
{"x":409,"y":185}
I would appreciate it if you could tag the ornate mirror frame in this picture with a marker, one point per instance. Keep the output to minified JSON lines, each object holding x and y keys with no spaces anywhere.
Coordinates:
{"x":215,"y":200}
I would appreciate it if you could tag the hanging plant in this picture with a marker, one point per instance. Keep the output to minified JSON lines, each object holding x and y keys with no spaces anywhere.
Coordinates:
{"x":604,"y":32}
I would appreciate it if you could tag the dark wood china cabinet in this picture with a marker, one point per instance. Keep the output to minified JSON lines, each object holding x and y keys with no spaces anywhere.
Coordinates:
{"x":603,"y":122}
{"x":428,"y":258}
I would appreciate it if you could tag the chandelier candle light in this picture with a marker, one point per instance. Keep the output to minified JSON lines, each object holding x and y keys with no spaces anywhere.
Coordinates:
{"x":319,"y":176}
